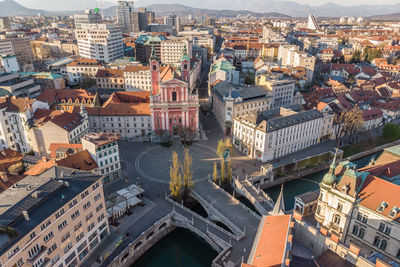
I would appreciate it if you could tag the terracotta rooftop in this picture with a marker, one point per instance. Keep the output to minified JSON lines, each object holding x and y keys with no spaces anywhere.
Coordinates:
{"x":9,"y":157}
{"x":137,"y":68}
{"x":110,"y":73}
{"x":67,"y":121}
{"x":100,"y":139}
{"x":16,"y":104}
{"x":269,"y":246}
{"x":80,"y":161}
{"x":52,"y":96}
{"x":168,"y":73}
{"x":54,"y":147}
{"x":84,"y":62}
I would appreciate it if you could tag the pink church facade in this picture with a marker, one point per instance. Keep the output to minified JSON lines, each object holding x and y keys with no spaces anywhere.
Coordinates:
{"x":173,"y":106}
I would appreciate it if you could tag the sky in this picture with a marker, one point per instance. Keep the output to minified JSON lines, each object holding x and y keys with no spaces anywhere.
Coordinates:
{"x":212,"y":4}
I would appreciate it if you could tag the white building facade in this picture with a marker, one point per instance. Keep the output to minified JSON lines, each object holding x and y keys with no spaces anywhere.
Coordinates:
{"x":100,"y":41}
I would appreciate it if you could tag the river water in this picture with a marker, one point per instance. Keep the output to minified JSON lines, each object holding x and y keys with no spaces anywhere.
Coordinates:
{"x":182,"y":248}
{"x":307,"y":183}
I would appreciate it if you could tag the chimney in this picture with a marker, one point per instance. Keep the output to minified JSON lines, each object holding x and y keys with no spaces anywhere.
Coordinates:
{"x":44,"y":159}
{"x":26,"y":215}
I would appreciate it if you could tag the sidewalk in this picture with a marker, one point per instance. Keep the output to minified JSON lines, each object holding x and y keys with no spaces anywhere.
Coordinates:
{"x":118,"y":233}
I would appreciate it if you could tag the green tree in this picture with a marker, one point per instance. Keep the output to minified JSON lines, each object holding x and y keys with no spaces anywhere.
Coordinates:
{"x":391,"y":132}
{"x":229,"y":172}
{"x":351,"y":122}
{"x":248,"y":80}
{"x":175,"y":184}
{"x":215,"y":172}
{"x":220,"y":148}
{"x":222,"y":164}
{"x":187,"y":173}
{"x":356,"y":57}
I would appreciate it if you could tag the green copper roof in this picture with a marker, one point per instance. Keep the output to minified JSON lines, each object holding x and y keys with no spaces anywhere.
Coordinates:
{"x":330,"y":177}
{"x":185,"y":55}
{"x":4,"y":92}
{"x":223,"y":65}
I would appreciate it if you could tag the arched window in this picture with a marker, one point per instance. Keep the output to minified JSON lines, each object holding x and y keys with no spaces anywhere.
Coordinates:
{"x":154,"y":67}
{"x":173,"y":96}
{"x":377,"y":240}
{"x":185,"y":66}
{"x":336,"y":219}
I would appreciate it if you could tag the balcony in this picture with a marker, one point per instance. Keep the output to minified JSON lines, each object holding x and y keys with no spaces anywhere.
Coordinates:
{"x":42,"y":251}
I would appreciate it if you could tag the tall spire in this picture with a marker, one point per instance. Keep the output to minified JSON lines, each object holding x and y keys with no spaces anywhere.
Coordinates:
{"x":185,"y":53}
{"x":153,"y":55}
{"x":279,"y":208}
{"x":330,"y":177}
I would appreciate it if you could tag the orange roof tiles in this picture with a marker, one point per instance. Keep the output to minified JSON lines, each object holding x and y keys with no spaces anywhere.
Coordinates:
{"x":16,"y":104}
{"x":110,"y":73}
{"x":168,"y":74}
{"x":55,"y":146}
{"x":52,"y":96}
{"x":137,"y":68}
{"x":375,"y":190}
{"x":270,"y":243}
{"x":84,"y":61}
{"x":9,"y":157}
{"x":40,"y":167}
{"x":81,"y":161}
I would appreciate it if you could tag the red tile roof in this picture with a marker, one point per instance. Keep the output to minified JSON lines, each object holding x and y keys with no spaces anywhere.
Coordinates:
{"x":110,"y":73}
{"x":270,"y":243}
{"x":67,"y":121}
{"x":55,"y":146}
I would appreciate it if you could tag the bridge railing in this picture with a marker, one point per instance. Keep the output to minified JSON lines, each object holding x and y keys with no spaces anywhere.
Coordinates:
{"x":269,"y":202}
{"x":204,"y":202}
{"x":237,"y":201}
{"x":210,"y":223}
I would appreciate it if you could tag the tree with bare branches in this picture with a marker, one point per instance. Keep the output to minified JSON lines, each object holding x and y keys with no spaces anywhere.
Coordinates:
{"x":175,"y":184}
{"x":187,"y":173}
{"x":350,"y":124}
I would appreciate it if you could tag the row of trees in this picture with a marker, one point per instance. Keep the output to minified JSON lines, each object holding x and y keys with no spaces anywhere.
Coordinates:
{"x":367,"y":55}
{"x":181,"y":176}
{"x":224,"y":152}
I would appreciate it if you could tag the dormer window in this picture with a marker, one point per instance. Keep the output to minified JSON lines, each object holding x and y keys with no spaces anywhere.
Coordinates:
{"x":382,"y":206}
{"x":395,"y":210}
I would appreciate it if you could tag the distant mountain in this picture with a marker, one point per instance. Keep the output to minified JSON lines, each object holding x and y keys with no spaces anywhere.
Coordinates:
{"x":268,"y":8}
{"x":394,"y":16}
{"x":12,"y":8}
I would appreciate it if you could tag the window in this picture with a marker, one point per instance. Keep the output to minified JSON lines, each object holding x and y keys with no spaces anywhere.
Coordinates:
{"x":76,"y":227}
{"x":90,"y":227}
{"x":59,"y":213}
{"x":383,"y":245}
{"x":65,"y":237}
{"x":34,"y":251}
{"x":86,"y":205}
{"x":377,"y":241}
{"x":90,"y":215}
{"x":80,"y":236}
{"x":62,"y":225}
{"x":362,"y":217}
{"x":73,"y":203}
{"x":355,"y":230}
{"x":75,"y":214}
{"x":394,"y":212}
{"x":48,"y":236}
{"x":84,"y":194}
{"x":99,"y":207}
{"x":52,"y":248}
{"x":32,"y":235}
{"x":336,"y":219}
{"x":173,"y":96}
{"x":339,"y":206}
{"x":382,"y":206}
{"x":68,"y":247}
{"x":44,"y":225}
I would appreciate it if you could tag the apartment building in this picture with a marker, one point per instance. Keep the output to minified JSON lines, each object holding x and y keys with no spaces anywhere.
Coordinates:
{"x":281,"y":90}
{"x":89,"y":17}
{"x":100,"y":41}
{"x":110,"y":79}
{"x":69,"y":99}
{"x":17,"y":85}
{"x":82,"y":69}
{"x":173,"y":49}
{"x":289,"y":55}
{"x":274,"y":133}
{"x":103,"y":147}
{"x":123,"y":13}
{"x":14,"y":115}
{"x":230,"y":101}
{"x":20,"y":46}
{"x":125,"y":113}
{"x":222,"y":70}
{"x":144,"y":44}
{"x":57,"y":126}
{"x":59,"y":219}
{"x":137,"y":77}
{"x":361,"y":205}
